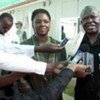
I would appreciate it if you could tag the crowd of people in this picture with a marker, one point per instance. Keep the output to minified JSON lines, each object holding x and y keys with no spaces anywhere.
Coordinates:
{"x":37,"y":69}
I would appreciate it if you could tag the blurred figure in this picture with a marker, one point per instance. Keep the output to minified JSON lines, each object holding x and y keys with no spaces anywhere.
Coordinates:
{"x":20,"y":32}
{"x":63,"y":35}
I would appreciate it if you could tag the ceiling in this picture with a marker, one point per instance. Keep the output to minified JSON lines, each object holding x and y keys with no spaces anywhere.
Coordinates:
{"x":9,"y":4}
{"x":6,"y":3}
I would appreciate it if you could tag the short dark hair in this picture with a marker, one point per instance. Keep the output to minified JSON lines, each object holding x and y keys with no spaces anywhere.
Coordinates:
{"x":19,"y":23}
{"x":3,"y":15}
{"x":37,"y":11}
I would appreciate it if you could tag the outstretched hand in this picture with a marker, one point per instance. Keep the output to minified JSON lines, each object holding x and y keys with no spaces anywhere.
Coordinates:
{"x":49,"y":48}
{"x":59,"y":66}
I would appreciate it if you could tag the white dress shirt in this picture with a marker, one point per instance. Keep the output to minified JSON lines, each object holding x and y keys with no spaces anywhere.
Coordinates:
{"x":15,"y":57}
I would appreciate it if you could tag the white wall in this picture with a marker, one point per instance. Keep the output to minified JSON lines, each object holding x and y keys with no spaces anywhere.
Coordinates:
{"x":58,"y":9}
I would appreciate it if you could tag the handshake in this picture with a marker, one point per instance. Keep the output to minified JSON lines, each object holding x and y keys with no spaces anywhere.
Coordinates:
{"x":80,"y":70}
{"x":86,"y":58}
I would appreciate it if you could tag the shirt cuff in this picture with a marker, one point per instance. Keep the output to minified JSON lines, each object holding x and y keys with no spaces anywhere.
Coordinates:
{"x":40,"y":67}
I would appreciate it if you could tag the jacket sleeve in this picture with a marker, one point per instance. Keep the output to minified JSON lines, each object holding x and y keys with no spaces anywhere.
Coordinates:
{"x":55,"y":88}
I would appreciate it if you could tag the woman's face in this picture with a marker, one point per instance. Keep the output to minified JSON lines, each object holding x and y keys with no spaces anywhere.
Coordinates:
{"x":41,"y":24}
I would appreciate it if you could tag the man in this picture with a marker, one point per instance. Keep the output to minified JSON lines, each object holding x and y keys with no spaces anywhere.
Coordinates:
{"x":88,"y":88}
{"x":20,"y":32}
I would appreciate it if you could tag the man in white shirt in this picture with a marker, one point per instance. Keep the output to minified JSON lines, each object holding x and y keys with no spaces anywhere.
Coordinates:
{"x":7,"y":50}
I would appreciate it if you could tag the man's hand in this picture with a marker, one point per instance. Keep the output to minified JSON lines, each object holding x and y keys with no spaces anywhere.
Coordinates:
{"x":58,"y":68}
{"x":48,"y":48}
{"x":79,"y":70}
{"x":54,"y":68}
